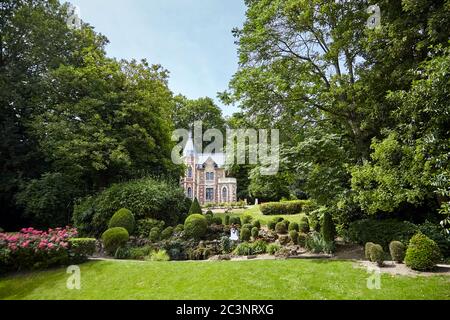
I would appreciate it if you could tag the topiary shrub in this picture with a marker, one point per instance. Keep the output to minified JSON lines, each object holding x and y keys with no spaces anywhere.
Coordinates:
{"x":293,"y":234}
{"x":376,"y":253}
{"x":273,"y":248}
{"x":422,"y":254}
{"x":287,"y":224}
{"x":397,"y":250}
{"x":115,"y":238}
{"x":294,"y":226}
{"x":154,"y":234}
{"x":304,"y":227}
{"x":367,"y":247}
{"x":195,"y":226}
{"x":245,"y":234}
{"x":217,"y":221}
{"x":328,"y":228}
{"x":123,"y":218}
{"x":227,"y":220}
{"x":255,"y":232}
{"x":281,"y":228}
{"x":283,"y":239}
{"x":209,"y":212}
{"x":235,"y":221}
{"x":257,"y":224}
{"x":271,"y":225}
{"x":195,"y":208}
{"x":302,"y":239}
{"x":167,"y":233}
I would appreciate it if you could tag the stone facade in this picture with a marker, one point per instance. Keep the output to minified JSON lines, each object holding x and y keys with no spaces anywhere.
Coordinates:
{"x":206,"y":177}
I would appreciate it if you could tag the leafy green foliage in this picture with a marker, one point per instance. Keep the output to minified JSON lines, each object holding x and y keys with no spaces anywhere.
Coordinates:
{"x":123,"y":218}
{"x":422,"y":253}
{"x":155,"y":234}
{"x":195,"y":207}
{"x":245,"y":234}
{"x":328,"y":228}
{"x":160,"y":255}
{"x":144,"y":226}
{"x":114,"y":238}
{"x":255,"y":232}
{"x":280,"y":227}
{"x":195,"y":226}
{"x":294,"y":226}
{"x":398,"y":251}
{"x":381,"y":231}
{"x":167,"y":233}
{"x":283,"y":208}
{"x":376,"y":254}
{"x":293,"y":234}
{"x":146,"y":198}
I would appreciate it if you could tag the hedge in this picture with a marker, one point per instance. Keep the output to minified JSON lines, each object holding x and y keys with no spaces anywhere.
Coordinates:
{"x":81,"y":248}
{"x":283,"y":208}
{"x":382,"y":232}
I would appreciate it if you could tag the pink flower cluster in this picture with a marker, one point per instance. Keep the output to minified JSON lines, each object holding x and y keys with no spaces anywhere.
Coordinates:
{"x":31,"y":239}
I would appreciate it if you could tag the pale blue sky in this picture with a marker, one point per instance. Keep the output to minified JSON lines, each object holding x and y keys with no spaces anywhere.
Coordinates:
{"x":190,"y":38}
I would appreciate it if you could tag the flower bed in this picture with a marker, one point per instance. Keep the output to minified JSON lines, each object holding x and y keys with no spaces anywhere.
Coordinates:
{"x":35,"y":249}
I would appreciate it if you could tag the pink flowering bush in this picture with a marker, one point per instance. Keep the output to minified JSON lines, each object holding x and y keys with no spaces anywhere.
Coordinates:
{"x":31,"y":249}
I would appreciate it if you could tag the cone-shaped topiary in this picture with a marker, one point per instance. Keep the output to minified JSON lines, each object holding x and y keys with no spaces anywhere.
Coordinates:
{"x":195,"y":226}
{"x":123,"y":218}
{"x":195,"y":208}
{"x":397,"y":250}
{"x":422,"y":253}
{"x":114,"y":238}
{"x":328,"y":227}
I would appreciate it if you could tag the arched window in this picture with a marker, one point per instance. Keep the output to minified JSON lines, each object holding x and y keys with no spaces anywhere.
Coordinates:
{"x":190,"y":172}
{"x":209,"y":176}
{"x":189,"y":193}
{"x":224,"y":194}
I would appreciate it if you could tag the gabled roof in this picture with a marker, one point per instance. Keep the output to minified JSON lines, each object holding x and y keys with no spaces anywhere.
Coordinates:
{"x":189,"y":150}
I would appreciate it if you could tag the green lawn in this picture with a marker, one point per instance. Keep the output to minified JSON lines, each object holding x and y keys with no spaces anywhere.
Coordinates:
{"x":260,"y":280}
{"x":257,"y":215}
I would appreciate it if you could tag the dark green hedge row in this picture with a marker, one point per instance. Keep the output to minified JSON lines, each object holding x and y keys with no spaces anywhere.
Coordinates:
{"x":284,"y":208}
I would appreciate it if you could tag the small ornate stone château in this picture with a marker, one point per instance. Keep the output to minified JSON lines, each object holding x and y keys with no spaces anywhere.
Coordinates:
{"x":206,"y":178}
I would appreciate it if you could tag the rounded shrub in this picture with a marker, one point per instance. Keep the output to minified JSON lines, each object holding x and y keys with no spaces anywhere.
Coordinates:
{"x":287,"y":223}
{"x":293,"y":234}
{"x":259,"y":247}
{"x":281,"y":228}
{"x":155,"y":234}
{"x":304,"y":225}
{"x":367,"y":247}
{"x":195,"y":226}
{"x":209,"y":212}
{"x":236,"y":221}
{"x":283,"y":239}
{"x":257,"y":224}
{"x":377,"y":254}
{"x":245,"y":234}
{"x":397,"y":250}
{"x":167,"y":233}
{"x":422,"y":253}
{"x":227,"y":220}
{"x":123,"y":218}
{"x":217,"y":221}
{"x":255,"y":232}
{"x":249,"y":226}
{"x":271,"y":225}
{"x":294,"y":226}
{"x":115,"y":238}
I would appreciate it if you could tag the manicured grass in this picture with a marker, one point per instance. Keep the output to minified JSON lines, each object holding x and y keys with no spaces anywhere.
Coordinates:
{"x":260,"y":280}
{"x":257,"y":215}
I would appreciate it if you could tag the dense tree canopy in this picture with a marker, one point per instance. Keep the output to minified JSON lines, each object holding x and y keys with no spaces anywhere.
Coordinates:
{"x":363,"y":112}
{"x":72,"y":120}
